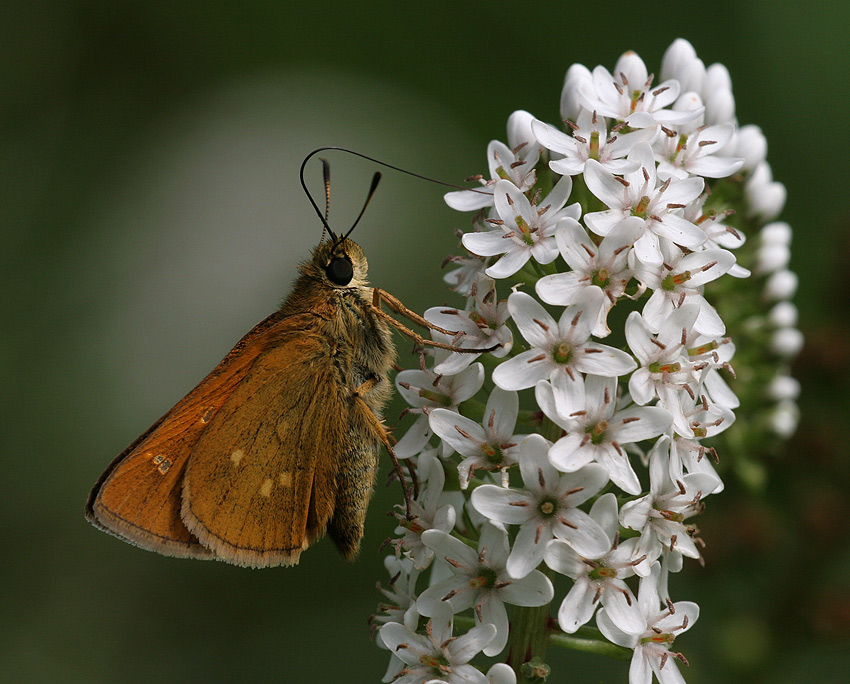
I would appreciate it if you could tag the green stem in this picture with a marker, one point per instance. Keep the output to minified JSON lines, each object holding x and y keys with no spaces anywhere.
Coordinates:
{"x":530,"y":632}
{"x":590,"y":646}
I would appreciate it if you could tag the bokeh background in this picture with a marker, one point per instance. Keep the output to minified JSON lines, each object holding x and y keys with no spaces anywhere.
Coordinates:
{"x":151,"y":214}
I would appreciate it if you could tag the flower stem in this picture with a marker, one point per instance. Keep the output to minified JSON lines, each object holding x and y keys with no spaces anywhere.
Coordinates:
{"x":529,"y":637}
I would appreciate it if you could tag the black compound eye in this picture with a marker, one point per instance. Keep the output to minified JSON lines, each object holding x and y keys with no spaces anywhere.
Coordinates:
{"x":340,"y":271}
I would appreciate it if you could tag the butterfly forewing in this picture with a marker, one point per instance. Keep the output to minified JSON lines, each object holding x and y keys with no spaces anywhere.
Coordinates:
{"x":268,"y":465}
{"x":137,"y":497}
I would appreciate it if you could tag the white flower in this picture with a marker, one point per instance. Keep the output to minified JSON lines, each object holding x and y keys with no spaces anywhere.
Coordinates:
{"x":401,"y":593}
{"x":462,"y":278}
{"x":514,"y":162}
{"x":424,"y":389}
{"x":697,"y":152}
{"x":787,"y":342}
{"x":559,"y":349}
{"x":630,"y":90}
{"x":501,"y":673}
{"x":522,"y":230}
{"x":402,"y":606}
{"x":652,"y":644}
{"x":598,"y":580}
{"x":546,"y":508}
{"x":688,"y":455}
{"x":596,"y":431}
{"x":718,"y":234}
{"x":480,"y":581}
{"x":589,"y":140}
{"x":660,"y":515}
{"x":481,"y":327}
{"x":766,"y":197}
{"x":639,"y":194}
{"x":427,"y":513}
{"x":784,"y":418}
{"x":491,"y":445}
{"x":603,"y":266}
{"x":665,"y":372}
{"x":783,"y":387}
{"x":781,"y":285}
{"x":437,"y":655}
{"x":679,"y":280}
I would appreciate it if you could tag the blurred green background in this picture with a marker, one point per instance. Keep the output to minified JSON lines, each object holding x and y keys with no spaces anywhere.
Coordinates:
{"x":151,"y":214}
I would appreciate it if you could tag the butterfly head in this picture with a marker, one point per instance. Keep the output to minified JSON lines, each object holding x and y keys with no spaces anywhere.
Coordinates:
{"x":339,"y":263}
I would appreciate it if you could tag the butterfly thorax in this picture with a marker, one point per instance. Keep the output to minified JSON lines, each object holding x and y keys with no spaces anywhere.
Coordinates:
{"x":357,"y":340}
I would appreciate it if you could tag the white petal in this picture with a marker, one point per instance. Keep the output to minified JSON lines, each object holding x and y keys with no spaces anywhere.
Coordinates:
{"x":613,"y":633}
{"x":487,"y":243}
{"x":583,"y":533}
{"x":604,"y":511}
{"x":447,"y":425}
{"x":639,"y":423}
{"x":561,"y":557}
{"x":601,"y":359}
{"x":493,"y":612}
{"x":394,"y":634}
{"x":529,"y":314}
{"x":446,"y":546}
{"x":503,"y":406}
{"x":538,"y":474}
{"x":577,"y":607}
{"x":534,"y":589}
{"x":529,"y":548}
{"x":623,"y":611}
{"x":604,"y":186}
{"x":467,"y":646}
{"x":509,"y":264}
{"x":509,"y":506}
{"x":466,"y":200}
{"x":523,"y":370}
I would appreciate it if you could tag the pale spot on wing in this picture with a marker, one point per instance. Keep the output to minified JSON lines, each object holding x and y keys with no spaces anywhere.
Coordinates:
{"x":162,"y":463}
{"x":237,"y":456}
{"x":266,"y":487}
{"x":285,"y":478}
{"x":207,"y":415}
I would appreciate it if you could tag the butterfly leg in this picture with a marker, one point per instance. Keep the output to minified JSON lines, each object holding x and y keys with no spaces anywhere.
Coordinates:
{"x":379,"y":296}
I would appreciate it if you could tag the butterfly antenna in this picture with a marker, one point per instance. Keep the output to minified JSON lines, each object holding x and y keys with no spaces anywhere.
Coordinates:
{"x":321,"y":216}
{"x":326,"y":174}
{"x":375,"y":180}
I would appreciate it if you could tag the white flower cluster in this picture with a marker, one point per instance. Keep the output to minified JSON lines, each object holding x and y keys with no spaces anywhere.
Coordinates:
{"x":655,"y":172}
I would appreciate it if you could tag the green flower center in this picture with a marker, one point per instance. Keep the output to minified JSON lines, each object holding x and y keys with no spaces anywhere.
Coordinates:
{"x":663,"y":638}
{"x":437,"y":663}
{"x":640,"y":209}
{"x":597,"y":432}
{"x":601,"y":278}
{"x":493,"y":454}
{"x":673,"y":280}
{"x":602,"y":573}
{"x":593,"y":151}
{"x":562,"y":353}
{"x":525,"y":231}
{"x":436,"y":397}
{"x":548,"y":507}
{"x":658,"y":367}
{"x":485,"y":579}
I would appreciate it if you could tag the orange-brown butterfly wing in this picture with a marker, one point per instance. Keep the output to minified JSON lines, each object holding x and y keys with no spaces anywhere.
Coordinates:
{"x":138,"y":497}
{"x":261,"y":482}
